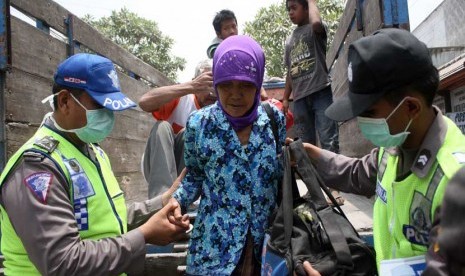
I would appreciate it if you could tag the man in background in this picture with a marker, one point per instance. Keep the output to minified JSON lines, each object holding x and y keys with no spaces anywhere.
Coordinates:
{"x":163,"y":159}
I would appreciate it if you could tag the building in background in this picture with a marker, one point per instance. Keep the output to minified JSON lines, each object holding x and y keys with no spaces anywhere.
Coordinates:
{"x":444,"y":33}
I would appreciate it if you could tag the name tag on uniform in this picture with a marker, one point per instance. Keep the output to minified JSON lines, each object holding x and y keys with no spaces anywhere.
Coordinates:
{"x":82,"y":188}
{"x":413,"y":266}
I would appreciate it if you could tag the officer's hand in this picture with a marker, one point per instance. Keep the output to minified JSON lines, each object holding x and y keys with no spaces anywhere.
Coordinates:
{"x":310,"y":270}
{"x":159,"y":230}
{"x":313,"y":151}
{"x":167,"y":195}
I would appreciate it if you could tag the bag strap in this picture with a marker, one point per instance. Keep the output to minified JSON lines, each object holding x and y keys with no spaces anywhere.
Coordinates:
{"x":306,"y":174}
{"x":287,"y":204}
{"x":314,"y":185}
{"x":308,"y":171}
{"x":274,"y":125}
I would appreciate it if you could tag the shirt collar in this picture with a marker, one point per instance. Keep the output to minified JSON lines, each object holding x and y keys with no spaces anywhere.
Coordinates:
{"x":430,"y":146}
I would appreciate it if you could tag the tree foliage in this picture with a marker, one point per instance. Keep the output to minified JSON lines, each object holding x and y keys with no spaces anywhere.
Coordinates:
{"x":142,"y":38}
{"x":272,"y":26}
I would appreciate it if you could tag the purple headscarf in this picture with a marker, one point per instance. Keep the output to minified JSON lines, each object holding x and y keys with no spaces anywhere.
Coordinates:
{"x":241,"y":58}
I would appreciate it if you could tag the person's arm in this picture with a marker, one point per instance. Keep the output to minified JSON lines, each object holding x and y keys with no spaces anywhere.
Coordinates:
{"x":287,"y":93}
{"x":315,"y":18}
{"x":353,"y":175}
{"x":263,"y":94}
{"x":49,"y":233}
{"x":156,"y":98}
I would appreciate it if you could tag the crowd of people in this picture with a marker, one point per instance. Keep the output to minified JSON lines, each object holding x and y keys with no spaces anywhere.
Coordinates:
{"x":63,"y":212}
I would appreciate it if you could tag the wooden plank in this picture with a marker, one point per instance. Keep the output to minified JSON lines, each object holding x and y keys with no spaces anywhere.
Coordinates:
{"x":92,"y":39}
{"x":23,"y":95}
{"x":46,"y":10}
{"x":16,"y":135}
{"x":341,"y":33}
{"x":134,"y":186}
{"x":351,"y":142}
{"x":34,"y":51}
{"x":339,"y":72}
{"x":164,"y":263}
{"x":133,"y":88}
{"x":372,"y":17}
{"x":125,"y":154}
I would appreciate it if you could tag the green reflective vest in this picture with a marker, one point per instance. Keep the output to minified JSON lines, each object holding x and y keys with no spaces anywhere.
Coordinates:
{"x":404,"y":210}
{"x":98,"y":201}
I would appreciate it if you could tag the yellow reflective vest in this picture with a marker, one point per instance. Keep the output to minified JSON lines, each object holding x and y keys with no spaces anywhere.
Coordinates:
{"x":98,"y":201}
{"x":404,"y":210}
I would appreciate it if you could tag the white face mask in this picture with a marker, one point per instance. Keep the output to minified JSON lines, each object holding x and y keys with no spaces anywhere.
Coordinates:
{"x":99,"y":125}
{"x":377,"y":130}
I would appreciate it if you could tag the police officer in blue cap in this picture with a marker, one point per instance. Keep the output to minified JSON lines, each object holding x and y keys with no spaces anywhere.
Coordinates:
{"x":63,"y":211}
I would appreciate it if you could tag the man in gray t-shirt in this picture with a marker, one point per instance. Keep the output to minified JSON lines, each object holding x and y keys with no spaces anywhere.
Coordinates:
{"x":307,"y":77}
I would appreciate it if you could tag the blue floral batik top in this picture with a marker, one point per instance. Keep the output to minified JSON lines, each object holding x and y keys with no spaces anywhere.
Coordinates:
{"x":238,"y":187}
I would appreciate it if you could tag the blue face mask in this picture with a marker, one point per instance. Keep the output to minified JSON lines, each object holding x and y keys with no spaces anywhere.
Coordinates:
{"x":377,"y":130}
{"x":99,"y":125}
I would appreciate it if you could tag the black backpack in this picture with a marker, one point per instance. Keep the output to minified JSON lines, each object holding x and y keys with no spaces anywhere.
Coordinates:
{"x":308,"y":229}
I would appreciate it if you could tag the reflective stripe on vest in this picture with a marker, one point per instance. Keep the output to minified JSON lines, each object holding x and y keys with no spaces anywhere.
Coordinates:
{"x":101,"y":212}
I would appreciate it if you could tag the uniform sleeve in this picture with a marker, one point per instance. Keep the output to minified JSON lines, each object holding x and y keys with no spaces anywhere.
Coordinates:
{"x":352,"y":175}
{"x":140,"y":212}
{"x":190,"y":187}
{"x":47,"y":227}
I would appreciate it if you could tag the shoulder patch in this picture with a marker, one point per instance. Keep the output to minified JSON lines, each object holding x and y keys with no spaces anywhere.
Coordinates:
{"x":48,"y":143}
{"x":459,"y":156}
{"x":39,"y":184}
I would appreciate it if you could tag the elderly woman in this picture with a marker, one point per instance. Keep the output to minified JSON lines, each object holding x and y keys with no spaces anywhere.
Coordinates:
{"x":231,"y":159}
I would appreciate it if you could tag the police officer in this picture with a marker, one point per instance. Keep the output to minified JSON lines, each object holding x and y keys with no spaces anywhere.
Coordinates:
{"x":63,"y":212}
{"x":392,"y":83}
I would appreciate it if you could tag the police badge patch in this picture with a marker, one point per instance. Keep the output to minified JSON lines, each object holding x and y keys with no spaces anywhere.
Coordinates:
{"x":39,"y":184}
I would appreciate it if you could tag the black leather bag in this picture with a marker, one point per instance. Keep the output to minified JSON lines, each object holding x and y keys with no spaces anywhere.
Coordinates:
{"x":308,"y":229}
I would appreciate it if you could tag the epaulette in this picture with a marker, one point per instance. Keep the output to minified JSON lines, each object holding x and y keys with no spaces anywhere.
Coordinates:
{"x":32,"y":156}
{"x":47,"y":143}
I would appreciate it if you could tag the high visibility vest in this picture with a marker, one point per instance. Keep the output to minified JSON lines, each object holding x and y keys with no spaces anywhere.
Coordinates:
{"x":98,"y":201}
{"x":404,"y":210}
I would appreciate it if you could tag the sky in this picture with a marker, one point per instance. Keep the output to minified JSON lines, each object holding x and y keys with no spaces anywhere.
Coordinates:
{"x":189,"y":23}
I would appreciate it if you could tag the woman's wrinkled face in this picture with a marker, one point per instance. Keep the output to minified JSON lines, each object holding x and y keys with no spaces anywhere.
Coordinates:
{"x":236,"y":97}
